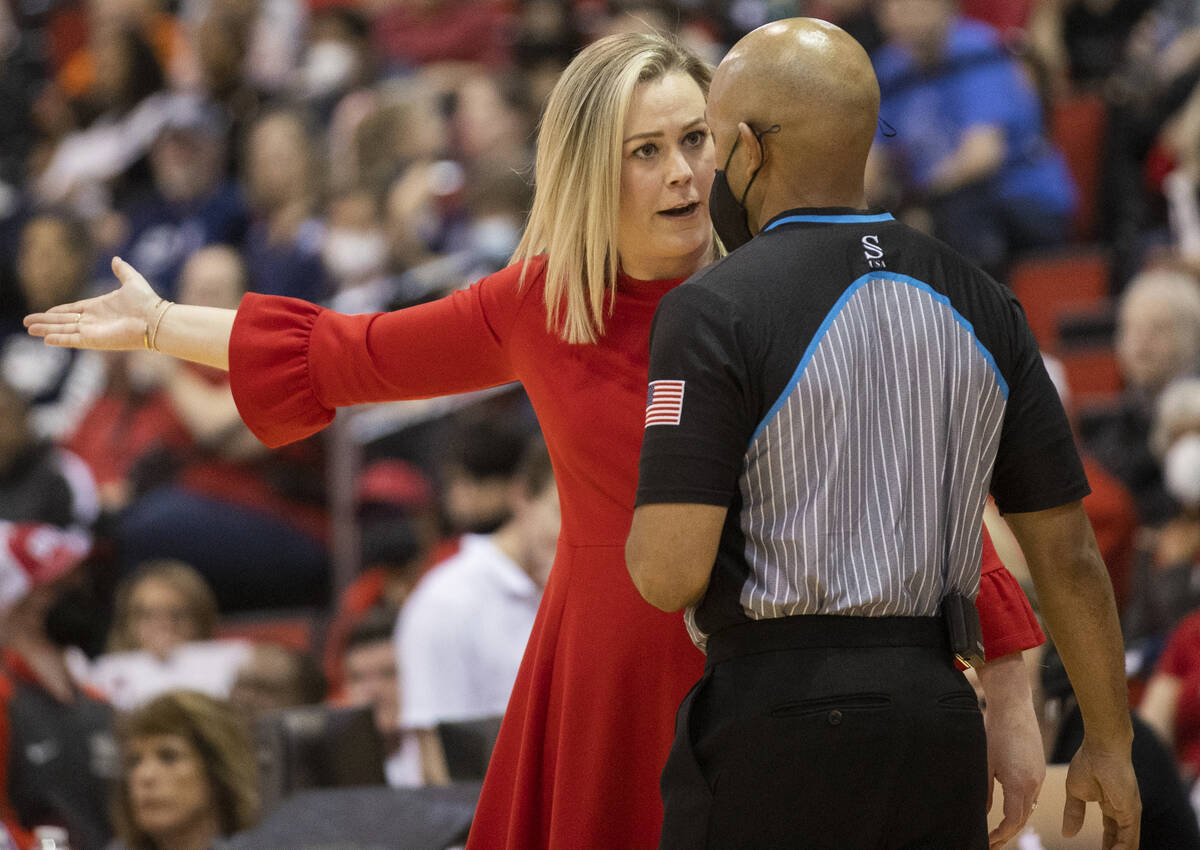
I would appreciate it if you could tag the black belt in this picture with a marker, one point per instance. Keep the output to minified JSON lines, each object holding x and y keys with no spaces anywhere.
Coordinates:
{"x":817,"y":631}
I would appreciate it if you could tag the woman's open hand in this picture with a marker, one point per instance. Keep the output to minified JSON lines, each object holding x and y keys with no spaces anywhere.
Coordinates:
{"x":116,"y":321}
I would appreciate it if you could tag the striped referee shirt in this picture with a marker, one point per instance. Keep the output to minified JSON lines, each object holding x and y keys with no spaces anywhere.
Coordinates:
{"x":851,"y":390}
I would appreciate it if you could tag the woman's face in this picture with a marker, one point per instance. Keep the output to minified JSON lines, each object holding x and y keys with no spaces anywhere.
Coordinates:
{"x":666,"y":171}
{"x":278,"y":161}
{"x":1149,"y":343}
{"x":159,"y":617}
{"x":168,"y":787}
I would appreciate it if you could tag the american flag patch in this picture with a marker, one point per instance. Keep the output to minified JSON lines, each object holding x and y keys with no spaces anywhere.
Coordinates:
{"x":664,"y":403}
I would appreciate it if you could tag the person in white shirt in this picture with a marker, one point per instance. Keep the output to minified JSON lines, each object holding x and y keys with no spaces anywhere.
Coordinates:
{"x":161,"y":639}
{"x":372,"y":679}
{"x":461,"y":634}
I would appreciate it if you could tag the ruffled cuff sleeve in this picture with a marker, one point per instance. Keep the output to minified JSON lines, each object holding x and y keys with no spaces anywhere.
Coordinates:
{"x":1009,"y":624}
{"x":269,"y":369}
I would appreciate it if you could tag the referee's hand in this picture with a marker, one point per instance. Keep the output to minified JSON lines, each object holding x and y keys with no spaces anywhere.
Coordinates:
{"x":1108,"y":779}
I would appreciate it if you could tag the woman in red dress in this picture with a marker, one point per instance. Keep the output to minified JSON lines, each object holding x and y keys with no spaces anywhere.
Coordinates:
{"x":624,"y":165}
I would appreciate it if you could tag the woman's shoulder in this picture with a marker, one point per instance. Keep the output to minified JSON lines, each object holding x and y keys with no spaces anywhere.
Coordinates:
{"x":512,"y":295}
{"x":519,"y":275}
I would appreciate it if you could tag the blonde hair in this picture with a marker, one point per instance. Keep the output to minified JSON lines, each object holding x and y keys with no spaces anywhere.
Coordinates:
{"x":218,"y":736}
{"x":180,"y":577}
{"x":576,"y":201}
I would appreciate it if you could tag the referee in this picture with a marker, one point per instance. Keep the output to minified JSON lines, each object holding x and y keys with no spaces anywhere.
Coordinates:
{"x":829,"y":407}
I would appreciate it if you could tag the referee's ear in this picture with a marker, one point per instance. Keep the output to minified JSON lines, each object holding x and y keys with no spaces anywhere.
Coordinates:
{"x":754,"y":156}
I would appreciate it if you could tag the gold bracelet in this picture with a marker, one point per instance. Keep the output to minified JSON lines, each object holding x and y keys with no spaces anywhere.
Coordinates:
{"x":158,"y":321}
{"x":146,"y":332}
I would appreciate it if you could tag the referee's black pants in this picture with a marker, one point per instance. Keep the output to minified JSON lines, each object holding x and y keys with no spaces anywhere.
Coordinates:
{"x":828,"y":732}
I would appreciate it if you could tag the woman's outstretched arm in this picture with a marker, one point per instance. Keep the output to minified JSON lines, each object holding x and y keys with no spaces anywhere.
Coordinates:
{"x":133,"y":316}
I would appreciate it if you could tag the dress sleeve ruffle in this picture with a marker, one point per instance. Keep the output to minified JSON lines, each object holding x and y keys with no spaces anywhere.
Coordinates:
{"x":1009,"y":624}
{"x":269,"y":372}
{"x":292,"y":363}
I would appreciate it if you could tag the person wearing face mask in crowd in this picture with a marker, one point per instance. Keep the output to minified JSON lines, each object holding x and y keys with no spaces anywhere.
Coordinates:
{"x":624,"y":167}
{"x":336,"y":60}
{"x":355,"y":251}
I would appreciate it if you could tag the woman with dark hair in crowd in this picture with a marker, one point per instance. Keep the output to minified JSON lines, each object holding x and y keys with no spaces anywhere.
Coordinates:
{"x":624,"y":167}
{"x":189,"y":776}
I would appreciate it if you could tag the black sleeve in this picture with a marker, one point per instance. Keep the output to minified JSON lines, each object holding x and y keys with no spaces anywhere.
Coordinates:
{"x":1037,"y":464}
{"x":695,"y":350}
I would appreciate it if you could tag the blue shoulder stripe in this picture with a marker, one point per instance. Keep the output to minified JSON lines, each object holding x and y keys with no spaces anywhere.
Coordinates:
{"x":832,"y":315}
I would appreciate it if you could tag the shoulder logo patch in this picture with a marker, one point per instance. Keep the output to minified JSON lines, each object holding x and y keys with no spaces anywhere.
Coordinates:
{"x":664,"y":403}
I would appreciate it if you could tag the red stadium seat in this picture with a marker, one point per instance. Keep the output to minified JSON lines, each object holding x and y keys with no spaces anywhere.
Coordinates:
{"x":1092,"y":375}
{"x":1048,"y":285}
{"x":1077,"y":127}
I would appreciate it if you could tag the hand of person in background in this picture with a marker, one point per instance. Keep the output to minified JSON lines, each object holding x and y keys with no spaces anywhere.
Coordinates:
{"x":117,"y":321}
{"x":1106,"y":778}
{"x":1014,"y":741}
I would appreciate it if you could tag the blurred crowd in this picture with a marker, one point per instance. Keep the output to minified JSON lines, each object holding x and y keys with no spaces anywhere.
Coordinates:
{"x":167,"y":582}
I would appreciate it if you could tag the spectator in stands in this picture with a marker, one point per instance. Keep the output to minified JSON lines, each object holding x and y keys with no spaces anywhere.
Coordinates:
{"x":188,"y":777}
{"x":283,"y":249}
{"x":481,"y":457}
{"x":1167,"y":819}
{"x":393,"y":558}
{"x":377,"y":132}
{"x":52,"y":264}
{"x":276,"y":677}
{"x":33,"y":554}
{"x":248,"y":519}
{"x":192,"y":203}
{"x":18,"y":82}
{"x":38,"y":482}
{"x":128,"y":429}
{"x":498,"y":201}
{"x":546,"y":37}
{"x":1080,"y":44}
{"x":337,"y":59}
{"x":409,"y":35}
{"x":1171,"y":703}
{"x":162,"y":639}
{"x":462,"y":632}
{"x":969,"y":147}
{"x":221,"y":34}
{"x":1158,"y":340}
{"x":355,"y":251}
{"x":128,"y":96}
{"x":372,"y":679}
{"x":54,"y":735}
{"x":1110,"y":507}
{"x":494,"y":119}
{"x":1169,"y":571}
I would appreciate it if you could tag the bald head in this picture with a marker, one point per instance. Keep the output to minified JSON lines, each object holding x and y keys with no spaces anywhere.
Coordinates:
{"x":816,"y":82}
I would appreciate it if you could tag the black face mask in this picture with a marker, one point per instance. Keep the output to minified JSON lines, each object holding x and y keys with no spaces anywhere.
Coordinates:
{"x":728,"y":214}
